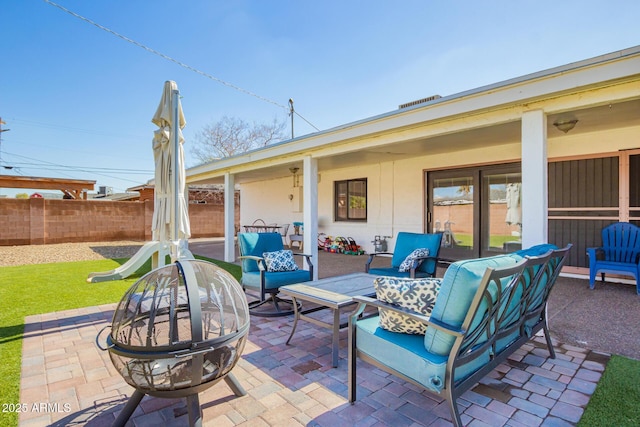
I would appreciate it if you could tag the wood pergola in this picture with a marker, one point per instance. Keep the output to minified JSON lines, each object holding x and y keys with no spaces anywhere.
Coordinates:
{"x":72,"y":188}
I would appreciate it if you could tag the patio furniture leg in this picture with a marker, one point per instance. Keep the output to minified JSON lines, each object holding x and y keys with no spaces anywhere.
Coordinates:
{"x":547,"y":335}
{"x":235,"y":385}
{"x":128,"y":409}
{"x":336,"y":337}
{"x":296,"y":316}
{"x":195,"y":411}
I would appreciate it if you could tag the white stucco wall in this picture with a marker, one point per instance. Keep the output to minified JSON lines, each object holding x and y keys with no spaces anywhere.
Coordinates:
{"x":395,"y":196}
{"x":580,"y":144}
{"x":396,"y":188}
{"x":269,"y":201}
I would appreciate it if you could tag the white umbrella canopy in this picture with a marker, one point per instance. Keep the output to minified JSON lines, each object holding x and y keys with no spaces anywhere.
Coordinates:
{"x":170,"y":215}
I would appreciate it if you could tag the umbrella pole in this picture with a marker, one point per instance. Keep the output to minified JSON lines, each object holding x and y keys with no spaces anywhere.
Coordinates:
{"x":175,"y":175}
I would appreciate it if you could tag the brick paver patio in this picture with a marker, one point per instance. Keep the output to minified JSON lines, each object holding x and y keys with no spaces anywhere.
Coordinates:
{"x":67,"y":380}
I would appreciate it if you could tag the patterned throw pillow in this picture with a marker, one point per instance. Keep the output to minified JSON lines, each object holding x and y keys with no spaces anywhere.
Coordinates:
{"x":415,"y":294}
{"x":280,"y":261}
{"x":408,"y":261}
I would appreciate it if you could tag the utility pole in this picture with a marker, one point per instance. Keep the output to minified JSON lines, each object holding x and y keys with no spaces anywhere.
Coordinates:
{"x":2,"y":130}
{"x":291,"y":111}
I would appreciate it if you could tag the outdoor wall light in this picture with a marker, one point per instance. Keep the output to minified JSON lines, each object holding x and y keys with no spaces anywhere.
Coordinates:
{"x":565,"y":125}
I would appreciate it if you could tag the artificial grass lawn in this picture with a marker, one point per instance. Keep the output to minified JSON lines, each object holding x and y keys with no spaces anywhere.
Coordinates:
{"x":616,"y":399}
{"x":45,"y":288}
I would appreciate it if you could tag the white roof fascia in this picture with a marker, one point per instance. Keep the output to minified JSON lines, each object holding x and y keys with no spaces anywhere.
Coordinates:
{"x":566,"y":78}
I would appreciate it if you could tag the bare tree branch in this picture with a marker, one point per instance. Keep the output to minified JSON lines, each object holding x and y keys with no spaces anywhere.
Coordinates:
{"x":231,"y":135}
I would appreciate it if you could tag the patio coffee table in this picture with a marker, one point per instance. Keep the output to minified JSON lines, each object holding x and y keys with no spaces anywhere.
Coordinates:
{"x":330,"y":293}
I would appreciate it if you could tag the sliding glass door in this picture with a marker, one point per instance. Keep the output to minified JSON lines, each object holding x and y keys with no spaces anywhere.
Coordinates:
{"x":452,"y":200}
{"x":476,"y":209}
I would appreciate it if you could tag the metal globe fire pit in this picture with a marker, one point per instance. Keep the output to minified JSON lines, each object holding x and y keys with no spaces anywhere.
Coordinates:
{"x":176,"y":332}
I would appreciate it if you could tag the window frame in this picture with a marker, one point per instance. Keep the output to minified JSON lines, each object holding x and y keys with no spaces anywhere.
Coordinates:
{"x":336,"y":200}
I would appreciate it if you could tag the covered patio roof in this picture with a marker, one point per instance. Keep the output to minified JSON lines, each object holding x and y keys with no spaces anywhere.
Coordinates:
{"x":602,"y":93}
{"x":76,"y":188}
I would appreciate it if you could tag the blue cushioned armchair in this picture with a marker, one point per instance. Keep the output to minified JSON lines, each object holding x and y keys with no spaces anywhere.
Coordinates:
{"x":406,"y":243}
{"x":256,"y":276}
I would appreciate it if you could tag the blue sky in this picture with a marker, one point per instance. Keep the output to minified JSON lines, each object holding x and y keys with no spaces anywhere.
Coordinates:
{"x":79,"y":100}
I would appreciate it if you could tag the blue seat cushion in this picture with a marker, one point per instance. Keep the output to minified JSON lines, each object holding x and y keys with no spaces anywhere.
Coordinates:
{"x":406,"y":354}
{"x":273,"y":280}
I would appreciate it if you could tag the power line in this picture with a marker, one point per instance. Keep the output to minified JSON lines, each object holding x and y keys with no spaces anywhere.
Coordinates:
{"x":133,"y":171}
{"x":73,"y":168}
{"x":65,"y":170}
{"x":162,"y":55}
{"x":308,"y":122}
{"x":175,"y":61}
{"x":292,"y":112}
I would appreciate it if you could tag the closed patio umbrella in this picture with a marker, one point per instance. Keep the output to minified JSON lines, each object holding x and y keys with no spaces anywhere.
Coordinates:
{"x":170,"y":215}
{"x":170,"y":224}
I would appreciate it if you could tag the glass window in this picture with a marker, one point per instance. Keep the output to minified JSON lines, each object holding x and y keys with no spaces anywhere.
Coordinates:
{"x":502,"y":214}
{"x":453,"y":213}
{"x":351,"y":200}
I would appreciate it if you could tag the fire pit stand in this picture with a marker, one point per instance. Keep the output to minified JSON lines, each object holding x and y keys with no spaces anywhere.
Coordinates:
{"x":193,"y":404}
{"x":177,"y":331}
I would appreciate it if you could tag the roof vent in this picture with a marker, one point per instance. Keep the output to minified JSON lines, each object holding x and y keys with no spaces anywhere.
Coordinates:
{"x":419,"y":101}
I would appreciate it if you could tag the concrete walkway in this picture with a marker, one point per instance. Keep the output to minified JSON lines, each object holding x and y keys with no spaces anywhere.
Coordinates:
{"x":67,"y":380}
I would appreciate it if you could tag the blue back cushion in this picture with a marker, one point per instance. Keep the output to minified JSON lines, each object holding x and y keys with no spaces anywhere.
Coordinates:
{"x":255,"y":244}
{"x":408,"y":242}
{"x":536,"y":250}
{"x":459,"y":285}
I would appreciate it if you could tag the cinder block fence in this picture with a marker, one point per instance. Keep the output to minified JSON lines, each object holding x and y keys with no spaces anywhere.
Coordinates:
{"x":39,"y":221}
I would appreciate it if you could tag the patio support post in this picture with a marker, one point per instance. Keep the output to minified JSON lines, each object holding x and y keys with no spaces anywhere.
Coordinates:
{"x":535,"y":225}
{"x":229,"y":218}
{"x":310,"y":216}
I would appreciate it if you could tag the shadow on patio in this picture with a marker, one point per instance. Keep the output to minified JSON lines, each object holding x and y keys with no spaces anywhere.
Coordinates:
{"x":292,"y":384}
